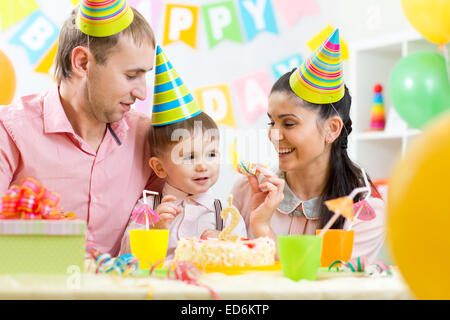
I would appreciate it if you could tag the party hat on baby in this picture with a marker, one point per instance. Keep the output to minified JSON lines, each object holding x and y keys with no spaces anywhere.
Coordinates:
{"x":319,"y":78}
{"x":103,"y":18}
{"x":172,"y":101}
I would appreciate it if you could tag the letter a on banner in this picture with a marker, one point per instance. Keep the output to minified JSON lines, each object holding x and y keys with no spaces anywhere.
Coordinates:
{"x":216,"y":102}
{"x":221,"y":23}
{"x":257,"y":17}
{"x":181,"y":24}
{"x":252,"y":92}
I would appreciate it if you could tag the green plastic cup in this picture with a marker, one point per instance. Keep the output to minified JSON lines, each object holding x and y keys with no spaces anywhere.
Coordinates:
{"x":300,"y":256}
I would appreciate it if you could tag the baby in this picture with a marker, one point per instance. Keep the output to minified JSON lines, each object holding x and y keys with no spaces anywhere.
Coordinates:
{"x":186,"y":155}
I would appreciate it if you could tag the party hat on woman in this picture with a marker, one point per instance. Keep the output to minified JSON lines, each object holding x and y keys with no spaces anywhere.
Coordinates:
{"x":172,"y":101}
{"x":319,"y":78}
{"x":103,"y":18}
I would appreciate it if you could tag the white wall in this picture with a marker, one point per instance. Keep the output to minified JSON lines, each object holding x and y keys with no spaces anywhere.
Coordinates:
{"x":357,"y":20}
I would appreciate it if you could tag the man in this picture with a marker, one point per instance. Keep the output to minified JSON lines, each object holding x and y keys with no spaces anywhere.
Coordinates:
{"x":80,"y":139}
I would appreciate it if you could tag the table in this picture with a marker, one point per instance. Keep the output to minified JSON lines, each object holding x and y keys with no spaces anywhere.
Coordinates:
{"x":250,"y":286}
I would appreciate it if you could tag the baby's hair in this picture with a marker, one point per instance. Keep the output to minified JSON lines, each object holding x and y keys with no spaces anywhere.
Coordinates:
{"x":163,"y":137}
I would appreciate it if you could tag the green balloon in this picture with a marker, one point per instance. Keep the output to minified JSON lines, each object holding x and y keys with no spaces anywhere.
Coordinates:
{"x":419,"y":87}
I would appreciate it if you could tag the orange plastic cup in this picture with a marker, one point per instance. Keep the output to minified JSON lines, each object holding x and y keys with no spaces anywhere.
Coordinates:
{"x":337,"y":244}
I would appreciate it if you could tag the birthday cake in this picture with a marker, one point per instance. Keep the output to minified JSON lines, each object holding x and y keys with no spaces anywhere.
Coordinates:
{"x":243,"y":252}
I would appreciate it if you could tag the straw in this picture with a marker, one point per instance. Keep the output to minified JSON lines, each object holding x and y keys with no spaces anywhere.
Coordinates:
{"x":351,"y":196}
{"x":144,"y":197}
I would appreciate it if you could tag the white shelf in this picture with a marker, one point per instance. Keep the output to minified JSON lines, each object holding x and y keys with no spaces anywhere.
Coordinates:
{"x":381,"y":135}
{"x":371,"y":61}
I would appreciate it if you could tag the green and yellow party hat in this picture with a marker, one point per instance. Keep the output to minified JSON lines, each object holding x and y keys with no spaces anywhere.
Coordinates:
{"x":172,"y":101}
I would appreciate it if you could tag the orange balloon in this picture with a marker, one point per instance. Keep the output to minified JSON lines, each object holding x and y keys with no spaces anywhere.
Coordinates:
{"x":7,"y":80}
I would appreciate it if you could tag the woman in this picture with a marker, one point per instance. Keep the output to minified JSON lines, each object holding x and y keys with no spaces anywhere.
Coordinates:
{"x":309,"y":128}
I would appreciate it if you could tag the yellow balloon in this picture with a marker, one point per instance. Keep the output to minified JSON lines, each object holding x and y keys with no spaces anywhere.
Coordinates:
{"x":430,"y":17}
{"x":418,"y":220}
{"x":7,"y":80}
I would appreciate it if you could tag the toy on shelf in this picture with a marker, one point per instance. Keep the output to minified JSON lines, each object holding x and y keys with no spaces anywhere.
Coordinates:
{"x":377,"y":116}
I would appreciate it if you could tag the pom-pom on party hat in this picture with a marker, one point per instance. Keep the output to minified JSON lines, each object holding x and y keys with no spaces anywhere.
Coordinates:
{"x":103,"y":18}
{"x":172,"y":101}
{"x":319,"y":78}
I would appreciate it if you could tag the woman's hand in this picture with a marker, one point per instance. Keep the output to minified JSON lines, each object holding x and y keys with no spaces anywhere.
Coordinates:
{"x":265,"y":199}
{"x":167,"y":211}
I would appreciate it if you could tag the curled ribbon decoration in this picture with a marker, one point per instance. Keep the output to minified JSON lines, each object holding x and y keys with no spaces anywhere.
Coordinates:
{"x":123,"y":265}
{"x":144,"y":214}
{"x":31,"y":200}
{"x":189,"y":273}
{"x":359,"y":264}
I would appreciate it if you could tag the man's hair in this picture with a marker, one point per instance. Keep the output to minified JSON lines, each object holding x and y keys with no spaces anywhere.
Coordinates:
{"x":161,"y":138}
{"x":71,"y":37}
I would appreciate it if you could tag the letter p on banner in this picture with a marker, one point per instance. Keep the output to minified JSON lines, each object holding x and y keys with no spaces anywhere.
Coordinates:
{"x":181,"y":24}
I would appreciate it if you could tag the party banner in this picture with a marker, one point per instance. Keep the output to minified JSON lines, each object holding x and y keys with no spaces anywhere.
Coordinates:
{"x":320,"y":37}
{"x":281,"y":67}
{"x":216,"y":102}
{"x":257,"y":17}
{"x":47,"y":61}
{"x":293,"y":10}
{"x":12,"y":12}
{"x":221,"y":22}
{"x":150,"y":9}
{"x":181,"y":24}
{"x":252,"y":93}
{"x":37,"y":35}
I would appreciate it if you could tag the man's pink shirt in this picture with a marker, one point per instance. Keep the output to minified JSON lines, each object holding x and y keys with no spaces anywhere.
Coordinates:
{"x":38,"y":141}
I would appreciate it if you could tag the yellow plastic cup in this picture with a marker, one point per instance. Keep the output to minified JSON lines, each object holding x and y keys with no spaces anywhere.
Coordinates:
{"x":337,"y":244}
{"x":149,"y":246}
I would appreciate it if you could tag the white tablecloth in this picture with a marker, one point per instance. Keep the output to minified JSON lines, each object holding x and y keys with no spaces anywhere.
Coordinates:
{"x":257,"y":285}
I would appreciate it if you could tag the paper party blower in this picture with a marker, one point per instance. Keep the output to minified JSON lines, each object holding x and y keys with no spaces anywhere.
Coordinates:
{"x":172,"y":101}
{"x":319,"y":79}
{"x":100,"y":18}
{"x":377,"y":118}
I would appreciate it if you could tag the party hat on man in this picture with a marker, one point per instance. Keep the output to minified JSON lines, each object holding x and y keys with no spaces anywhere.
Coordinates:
{"x":103,"y":18}
{"x":319,"y":78}
{"x":172,"y":101}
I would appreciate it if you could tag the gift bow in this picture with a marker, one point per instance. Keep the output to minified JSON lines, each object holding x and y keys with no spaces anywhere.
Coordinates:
{"x":30,"y":200}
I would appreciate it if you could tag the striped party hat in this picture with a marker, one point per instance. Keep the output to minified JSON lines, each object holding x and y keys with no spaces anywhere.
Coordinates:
{"x":172,"y":101}
{"x":103,"y":18}
{"x":319,"y":78}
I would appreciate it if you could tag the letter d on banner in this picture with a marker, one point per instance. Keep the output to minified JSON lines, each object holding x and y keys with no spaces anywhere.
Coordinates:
{"x":181,"y":24}
{"x":216,"y":102}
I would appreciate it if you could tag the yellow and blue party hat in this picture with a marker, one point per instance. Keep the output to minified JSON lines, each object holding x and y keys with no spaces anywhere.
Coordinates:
{"x":319,"y":79}
{"x":172,"y":101}
{"x":103,"y":18}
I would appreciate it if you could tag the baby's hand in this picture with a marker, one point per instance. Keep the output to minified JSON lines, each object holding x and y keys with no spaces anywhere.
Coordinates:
{"x":167,"y":211}
{"x":210,"y":234}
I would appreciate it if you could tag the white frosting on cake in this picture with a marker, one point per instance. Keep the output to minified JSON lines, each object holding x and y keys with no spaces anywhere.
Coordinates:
{"x":244,"y":252}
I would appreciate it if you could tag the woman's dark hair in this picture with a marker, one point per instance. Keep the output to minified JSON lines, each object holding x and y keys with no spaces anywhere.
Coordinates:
{"x":162,"y":137}
{"x":344,"y":174}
